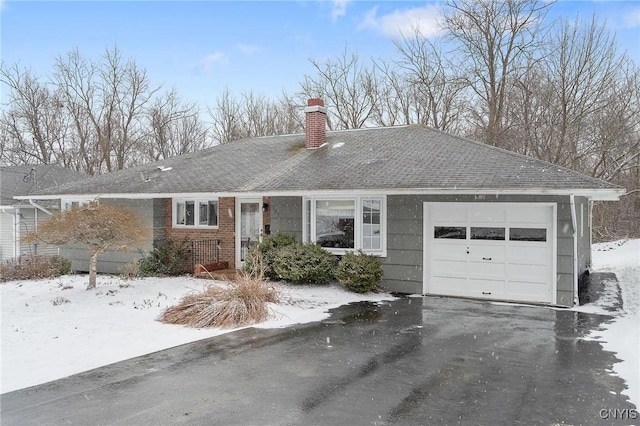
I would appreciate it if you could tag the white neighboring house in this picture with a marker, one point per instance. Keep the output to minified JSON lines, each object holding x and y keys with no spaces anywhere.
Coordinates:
{"x":19,"y":217}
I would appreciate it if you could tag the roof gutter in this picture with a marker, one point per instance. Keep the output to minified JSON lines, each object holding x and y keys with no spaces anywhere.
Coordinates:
{"x":610,"y":194}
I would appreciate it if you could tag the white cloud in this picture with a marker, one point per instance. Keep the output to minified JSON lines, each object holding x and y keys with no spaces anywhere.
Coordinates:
{"x":405,"y":22}
{"x":247,"y":49}
{"x":632,"y":18}
{"x":338,"y":9}
{"x":212,"y":59}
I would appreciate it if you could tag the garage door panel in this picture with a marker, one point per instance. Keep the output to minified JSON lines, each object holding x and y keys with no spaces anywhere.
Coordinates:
{"x":506,"y":254}
{"x":487,"y":215}
{"x":448,"y":250}
{"x":487,"y":251}
{"x":486,"y":288}
{"x":528,"y":215}
{"x":493,"y":270}
{"x":451,"y":286}
{"x":528,"y":292}
{"x":527,"y":273}
{"x":453,"y":268}
{"x":443,"y":213}
{"x":532,"y":253}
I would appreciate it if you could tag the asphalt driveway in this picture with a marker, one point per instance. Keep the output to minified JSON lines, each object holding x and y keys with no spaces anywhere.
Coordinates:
{"x":412,"y":361}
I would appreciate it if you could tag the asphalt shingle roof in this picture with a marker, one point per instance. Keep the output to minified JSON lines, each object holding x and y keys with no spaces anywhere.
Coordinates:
{"x":403,"y":157}
{"x":32,"y":179}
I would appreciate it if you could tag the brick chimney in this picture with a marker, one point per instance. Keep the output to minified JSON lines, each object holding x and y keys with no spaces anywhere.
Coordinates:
{"x":315,"y":123}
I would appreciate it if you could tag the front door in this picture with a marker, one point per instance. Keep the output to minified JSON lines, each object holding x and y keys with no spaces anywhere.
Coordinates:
{"x":248,"y":227}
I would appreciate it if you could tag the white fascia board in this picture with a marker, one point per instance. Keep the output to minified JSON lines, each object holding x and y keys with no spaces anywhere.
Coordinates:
{"x":592,"y":194}
{"x":612,"y":194}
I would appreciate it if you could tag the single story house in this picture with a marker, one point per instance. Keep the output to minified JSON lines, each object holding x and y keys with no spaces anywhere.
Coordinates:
{"x":19,"y":217}
{"x":448,"y":215}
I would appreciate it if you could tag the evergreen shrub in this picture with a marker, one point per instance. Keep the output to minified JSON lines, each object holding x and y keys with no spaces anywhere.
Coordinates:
{"x":359,"y":272}
{"x":269,"y":248}
{"x":304,"y":264}
{"x":168,"y":257}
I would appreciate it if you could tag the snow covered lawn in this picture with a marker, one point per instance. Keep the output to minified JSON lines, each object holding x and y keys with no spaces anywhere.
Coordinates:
{"x":622,"y":335}
{"x":54,"y":328}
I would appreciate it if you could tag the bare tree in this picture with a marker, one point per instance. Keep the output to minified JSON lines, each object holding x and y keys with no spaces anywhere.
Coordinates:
{"x":493,"y":39}
{"x":252,"y":115}
{"x":348,"y":87}
{"x":33,"y":122}
{"x":106,"y":102}
{"x":437,"y":91}
{"x":175,"y":128}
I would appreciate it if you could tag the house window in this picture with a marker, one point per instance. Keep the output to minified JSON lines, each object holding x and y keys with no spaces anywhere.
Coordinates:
{"x":371,"y":224}
{"x":195,"y":213}
{"x":335,"y":223}
{"x":345,"y":224}
{"x":208,"y":213}
{"x":71,"y":203}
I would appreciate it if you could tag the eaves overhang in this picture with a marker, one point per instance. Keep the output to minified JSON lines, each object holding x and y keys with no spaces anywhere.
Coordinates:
{"x":594,"y":194}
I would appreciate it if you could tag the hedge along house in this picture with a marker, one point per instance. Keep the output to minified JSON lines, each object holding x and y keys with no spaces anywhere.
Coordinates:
{"x":448,"y":216}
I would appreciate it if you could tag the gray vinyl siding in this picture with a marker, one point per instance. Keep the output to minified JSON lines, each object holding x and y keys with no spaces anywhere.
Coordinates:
{"x":403,"y":265}
{"x":7,"y":236}
{"x":564,"y":230}
{"x":31,"y":217}
{"x":403,"y":270}
{"x":113,"y":262}
{"x":159,"y":218}
{"x":27,"y":224}
{"x":286,"y":216}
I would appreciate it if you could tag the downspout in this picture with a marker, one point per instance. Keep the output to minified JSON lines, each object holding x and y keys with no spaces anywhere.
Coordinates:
{"x":590,"y":233}
{"x":39,"y":207}
{"x":574,"y":224}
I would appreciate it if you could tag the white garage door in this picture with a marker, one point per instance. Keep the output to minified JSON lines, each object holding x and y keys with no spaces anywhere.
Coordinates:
{"x":498,"y":251}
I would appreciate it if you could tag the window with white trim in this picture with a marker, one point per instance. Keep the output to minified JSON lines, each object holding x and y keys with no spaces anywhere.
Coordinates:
{"x":341,"y":224}
{"x":196,"y":213}
{"x":69,"y":203}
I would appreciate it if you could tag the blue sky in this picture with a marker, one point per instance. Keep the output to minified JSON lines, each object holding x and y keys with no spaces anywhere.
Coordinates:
{"x":201,"y":47}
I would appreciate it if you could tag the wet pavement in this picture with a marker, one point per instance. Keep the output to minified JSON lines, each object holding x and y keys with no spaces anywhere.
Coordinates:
{"x":417,"y":360}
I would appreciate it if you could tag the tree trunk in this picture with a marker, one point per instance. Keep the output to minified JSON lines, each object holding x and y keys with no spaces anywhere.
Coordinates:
{"x":93,"y":260}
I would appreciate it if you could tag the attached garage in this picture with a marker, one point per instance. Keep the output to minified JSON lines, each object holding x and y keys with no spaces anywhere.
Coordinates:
{"x":498,"y":251}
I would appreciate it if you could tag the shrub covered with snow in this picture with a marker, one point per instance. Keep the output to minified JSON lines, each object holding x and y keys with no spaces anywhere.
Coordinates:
{"x":359,"y":272}
{"x":304,"y":264}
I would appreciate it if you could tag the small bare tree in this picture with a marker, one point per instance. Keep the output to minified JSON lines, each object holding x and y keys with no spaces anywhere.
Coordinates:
{"x":97,"y":226}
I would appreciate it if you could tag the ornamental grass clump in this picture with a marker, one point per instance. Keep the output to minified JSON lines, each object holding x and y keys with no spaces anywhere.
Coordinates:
{"x":359,"y":272}
{"x":236,"y":304}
